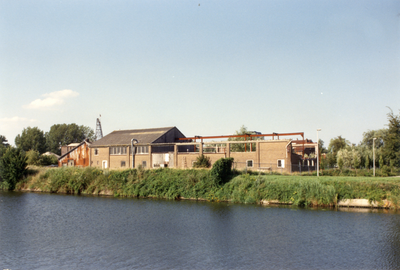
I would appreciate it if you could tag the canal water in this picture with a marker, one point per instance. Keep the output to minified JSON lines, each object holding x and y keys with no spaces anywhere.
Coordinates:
{"x":53,"y":231}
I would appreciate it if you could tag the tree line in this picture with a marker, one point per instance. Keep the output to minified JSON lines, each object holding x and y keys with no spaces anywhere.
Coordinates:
{"x":342,"y":153}
{"x":30,"y":146}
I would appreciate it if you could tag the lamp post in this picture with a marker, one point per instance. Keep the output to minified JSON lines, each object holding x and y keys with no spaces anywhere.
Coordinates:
{"x":373,"y":151}
{"x":318,"y":129}
{"x":133,"y":152}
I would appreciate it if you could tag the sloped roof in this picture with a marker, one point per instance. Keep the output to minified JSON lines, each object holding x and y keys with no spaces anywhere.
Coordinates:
{"x":73,"y":149}
{"x":124,"y":137}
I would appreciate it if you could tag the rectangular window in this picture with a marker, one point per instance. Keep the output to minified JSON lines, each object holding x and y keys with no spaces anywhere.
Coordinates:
{"x":249,"y":163}
{"x":144,"y":164}
{"x":122,"y":163}
{"x":142,"y":149}
{"x":118,"y":150}
{"x":281,"y":163}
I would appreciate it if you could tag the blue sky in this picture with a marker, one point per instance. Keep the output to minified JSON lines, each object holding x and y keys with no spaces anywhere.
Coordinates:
{"x":207,"y":67}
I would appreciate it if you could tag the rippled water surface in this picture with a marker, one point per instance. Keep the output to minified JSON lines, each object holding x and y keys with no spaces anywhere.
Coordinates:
{"x":52,"y":231}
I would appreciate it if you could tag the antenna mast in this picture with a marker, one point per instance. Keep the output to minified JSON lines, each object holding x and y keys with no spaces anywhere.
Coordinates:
{"x":99,"y":131}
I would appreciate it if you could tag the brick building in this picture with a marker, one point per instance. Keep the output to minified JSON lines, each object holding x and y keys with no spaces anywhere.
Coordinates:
{"x":168,"y":147}
{"x":151,"y":148}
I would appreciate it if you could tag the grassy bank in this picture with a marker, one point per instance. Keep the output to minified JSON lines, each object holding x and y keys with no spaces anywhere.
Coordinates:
{"x":198,"y":184}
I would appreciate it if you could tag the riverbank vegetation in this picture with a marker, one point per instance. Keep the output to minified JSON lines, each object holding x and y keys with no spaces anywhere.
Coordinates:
{"x":201,"y":184}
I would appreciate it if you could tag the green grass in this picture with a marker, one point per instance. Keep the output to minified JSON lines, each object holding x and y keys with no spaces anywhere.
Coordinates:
{"x":199,"y":184}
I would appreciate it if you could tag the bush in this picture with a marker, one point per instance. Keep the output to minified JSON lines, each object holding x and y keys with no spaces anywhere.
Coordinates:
{"x":32,"y":157}
{"x":46,"y":160}
{"x":202,"y":162}
{"x":12,"y":167}
{"x":222,"y":170}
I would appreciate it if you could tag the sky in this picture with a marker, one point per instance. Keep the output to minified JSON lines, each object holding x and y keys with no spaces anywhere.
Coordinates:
{"x":206,"y":67}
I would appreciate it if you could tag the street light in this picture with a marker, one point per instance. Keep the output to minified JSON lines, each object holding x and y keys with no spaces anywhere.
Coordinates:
{"x":133,"y":151}
{"x":318,"y":129}
{"x":373,"y":151}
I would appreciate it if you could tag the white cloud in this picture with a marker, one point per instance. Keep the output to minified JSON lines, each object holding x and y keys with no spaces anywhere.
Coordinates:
{"x":52,"y":99}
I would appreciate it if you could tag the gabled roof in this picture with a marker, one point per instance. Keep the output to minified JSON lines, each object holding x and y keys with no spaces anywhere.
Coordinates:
{"x":73,"y":149}
{"x":124,"y":137}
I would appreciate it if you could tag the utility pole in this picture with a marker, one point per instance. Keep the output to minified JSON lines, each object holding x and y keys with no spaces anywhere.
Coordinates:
{"x":318,"y":129}
{"x":373,"y":151}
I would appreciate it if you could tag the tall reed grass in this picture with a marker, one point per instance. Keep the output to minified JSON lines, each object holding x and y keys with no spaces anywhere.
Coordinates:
{"x":200,"y":184}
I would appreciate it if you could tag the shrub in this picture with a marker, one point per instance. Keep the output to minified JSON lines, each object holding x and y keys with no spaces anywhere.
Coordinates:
{"x":46,"y":160}
{"x":12,"y":167}
{"x":32,"y":157}
{"x":222,"y":170}
{"x":202,"y":161}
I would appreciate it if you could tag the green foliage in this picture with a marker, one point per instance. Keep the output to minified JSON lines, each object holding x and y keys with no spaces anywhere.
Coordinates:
{"x":337,"y":143}
{"x":369,"y":136}
{"x":32,"y":157}
{"x":202,"y":161}
{"x":65,"y":134}
{"x":221,"y":171}
{"x":356,"y":162}
{"x":242,"y":147}
{"x":3,"y":142}
{"x":391,"y":146}
{"x":199,"y":184}
{"x":380,"y":162}
{"x":367,"y":162}
{"x":321,"y":148}
{"x":31,"y":139}
{"x":46,"y":160}
{"x":340,"y":163}
{"x":12,"y":167}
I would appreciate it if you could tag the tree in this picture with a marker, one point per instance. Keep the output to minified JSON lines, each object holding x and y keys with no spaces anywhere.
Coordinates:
{"x":241,"y":147}
{"x":12,"y":166}
{"x":370,"y":135}
{"x":380,"y":161}
{"x":321,"y":148}
{"x":335,"y":145}
{"x":367,"y":162}
{"x":340,"y":163}
{"x":3,"y":141}
{"x":32,"y":157}
{"x":356,"y":162}
{"x":221,"y":171}
{"x":391,"y":140}
{"x":64,"y":134}
{"x":31,"y":139}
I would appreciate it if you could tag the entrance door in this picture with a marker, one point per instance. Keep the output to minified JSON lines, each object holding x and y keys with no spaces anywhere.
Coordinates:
{"x":104,"y":164}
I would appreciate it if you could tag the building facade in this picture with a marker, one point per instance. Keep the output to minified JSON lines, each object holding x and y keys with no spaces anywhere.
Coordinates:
{"x":77,"y":155}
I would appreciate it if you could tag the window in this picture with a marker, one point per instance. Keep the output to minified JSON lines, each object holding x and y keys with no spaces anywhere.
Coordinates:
{"x":249,"y":163}
{"x":96,"y":151}
{"x":142,"y":150}
{"x":281,"y":163}
{"x":122,"y":163}
{"x":119,"y":150}
{"x":144,"y":164}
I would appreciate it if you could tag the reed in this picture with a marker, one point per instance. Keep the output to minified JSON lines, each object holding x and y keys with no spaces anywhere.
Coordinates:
{"x":200,"y":184}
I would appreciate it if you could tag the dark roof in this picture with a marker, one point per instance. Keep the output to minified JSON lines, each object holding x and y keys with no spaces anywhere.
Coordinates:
{"x":124,"y":137}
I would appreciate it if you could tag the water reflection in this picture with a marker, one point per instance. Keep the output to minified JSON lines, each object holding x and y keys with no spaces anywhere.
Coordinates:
{"x":59,"y":231}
